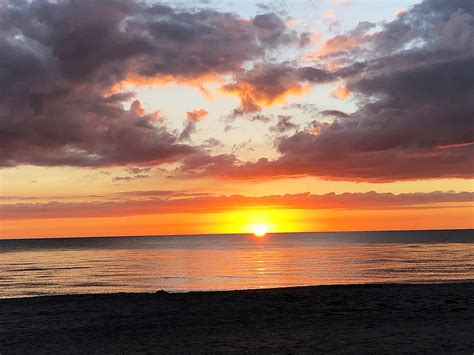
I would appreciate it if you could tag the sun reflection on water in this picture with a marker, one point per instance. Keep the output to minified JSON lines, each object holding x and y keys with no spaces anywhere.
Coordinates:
{"x":226,"y":262}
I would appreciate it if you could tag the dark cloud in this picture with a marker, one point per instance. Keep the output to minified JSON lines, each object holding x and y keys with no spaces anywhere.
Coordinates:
{"x":63,"y":63}
{"x":307,"y":108}
{"x":204,"y":164}
{"x":135,"y":174}
{"x":271,"y":25}
{"x":243,"y":145}
{"x":436,"y":23}
{"x":137,"y":170}
{"x":163,"y":193}
{"x":129,"y":178}
{"x":154,"y":202}
{"x":283,"y":125}
{"x":259,"y":117}
{"x":189,"y":128}
{"x":334,"y":113}
{"x":212,"y":143}
{"x":84,"y":130}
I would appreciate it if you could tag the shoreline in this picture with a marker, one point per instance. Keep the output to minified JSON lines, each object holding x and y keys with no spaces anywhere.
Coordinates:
{"x":276,"y":289}
{"x":376,"y":317}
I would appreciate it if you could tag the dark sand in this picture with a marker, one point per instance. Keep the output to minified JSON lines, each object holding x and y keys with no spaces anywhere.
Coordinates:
{"x":359,"y":318}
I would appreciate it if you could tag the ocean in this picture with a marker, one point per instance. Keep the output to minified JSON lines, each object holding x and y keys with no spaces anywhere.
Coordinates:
{"x":35,"y":267}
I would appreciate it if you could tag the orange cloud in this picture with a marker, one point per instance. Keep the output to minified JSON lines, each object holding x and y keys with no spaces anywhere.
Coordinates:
{"x":343,"y":46}
{"x":339,"y":43}
{"x":196,"y":114}
{"x":253,"y":97}
{"x":341,"y":92}
{"x":400,"y":12}
{"x":335,"y":45}
{"x":196,"y":82}
{"x":266,"y":85}
{"x":213,"y":204}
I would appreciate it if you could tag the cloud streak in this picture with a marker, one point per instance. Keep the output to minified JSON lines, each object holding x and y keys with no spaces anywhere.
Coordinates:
{"x":154,"y":203}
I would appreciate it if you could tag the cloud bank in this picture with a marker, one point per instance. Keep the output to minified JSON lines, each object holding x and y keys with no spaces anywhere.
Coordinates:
{"x":414,"y":83}
{"x":63,"y":66}
{"x":155,"y":202}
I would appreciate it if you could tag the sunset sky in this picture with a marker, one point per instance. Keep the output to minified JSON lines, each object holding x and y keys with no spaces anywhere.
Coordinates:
{"x":131,"y":118}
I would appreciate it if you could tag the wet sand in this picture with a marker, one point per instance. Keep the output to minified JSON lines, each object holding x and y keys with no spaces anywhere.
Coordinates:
{"x":356,"y":318}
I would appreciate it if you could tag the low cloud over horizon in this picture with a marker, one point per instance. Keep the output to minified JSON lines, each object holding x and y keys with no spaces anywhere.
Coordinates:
{"x":152,"y":202}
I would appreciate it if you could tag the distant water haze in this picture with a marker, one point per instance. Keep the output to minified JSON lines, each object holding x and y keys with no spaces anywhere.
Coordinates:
{"x":226,"y":262}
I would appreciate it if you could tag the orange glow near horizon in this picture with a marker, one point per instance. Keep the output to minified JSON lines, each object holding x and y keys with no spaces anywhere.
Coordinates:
{"x":242,"y":221}
{"x":222,"y":119}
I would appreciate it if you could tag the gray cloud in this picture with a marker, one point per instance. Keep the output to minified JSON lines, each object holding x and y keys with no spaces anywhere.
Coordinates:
{"x":334,"y":113}
{"x":60,"y":61}
{"x":283,"y":125}
{"x":129,"y":178}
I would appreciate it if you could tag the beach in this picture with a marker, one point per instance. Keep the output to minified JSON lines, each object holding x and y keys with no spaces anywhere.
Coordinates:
{"x":374,"y":318}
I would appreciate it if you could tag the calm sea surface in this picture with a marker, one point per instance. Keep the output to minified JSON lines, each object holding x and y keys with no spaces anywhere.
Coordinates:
{"x":225,"y":262}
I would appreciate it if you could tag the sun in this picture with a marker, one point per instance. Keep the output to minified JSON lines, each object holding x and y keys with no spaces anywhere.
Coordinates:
{"x":259,"y":230}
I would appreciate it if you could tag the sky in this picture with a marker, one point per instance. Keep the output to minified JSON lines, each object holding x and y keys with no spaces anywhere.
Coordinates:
{"x":144,"y":118}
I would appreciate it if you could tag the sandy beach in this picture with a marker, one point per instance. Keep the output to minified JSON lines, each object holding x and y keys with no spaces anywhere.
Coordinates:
{"x":357,"y":318}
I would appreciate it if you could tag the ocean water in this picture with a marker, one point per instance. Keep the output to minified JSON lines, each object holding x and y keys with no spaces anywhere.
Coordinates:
{"x":226,"y":262}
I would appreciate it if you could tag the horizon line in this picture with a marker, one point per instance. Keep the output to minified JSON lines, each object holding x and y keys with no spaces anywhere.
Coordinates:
{"x":235,"y":234}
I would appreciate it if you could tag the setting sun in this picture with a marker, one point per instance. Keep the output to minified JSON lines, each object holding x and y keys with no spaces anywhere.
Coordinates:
{"x":259,"y":230}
